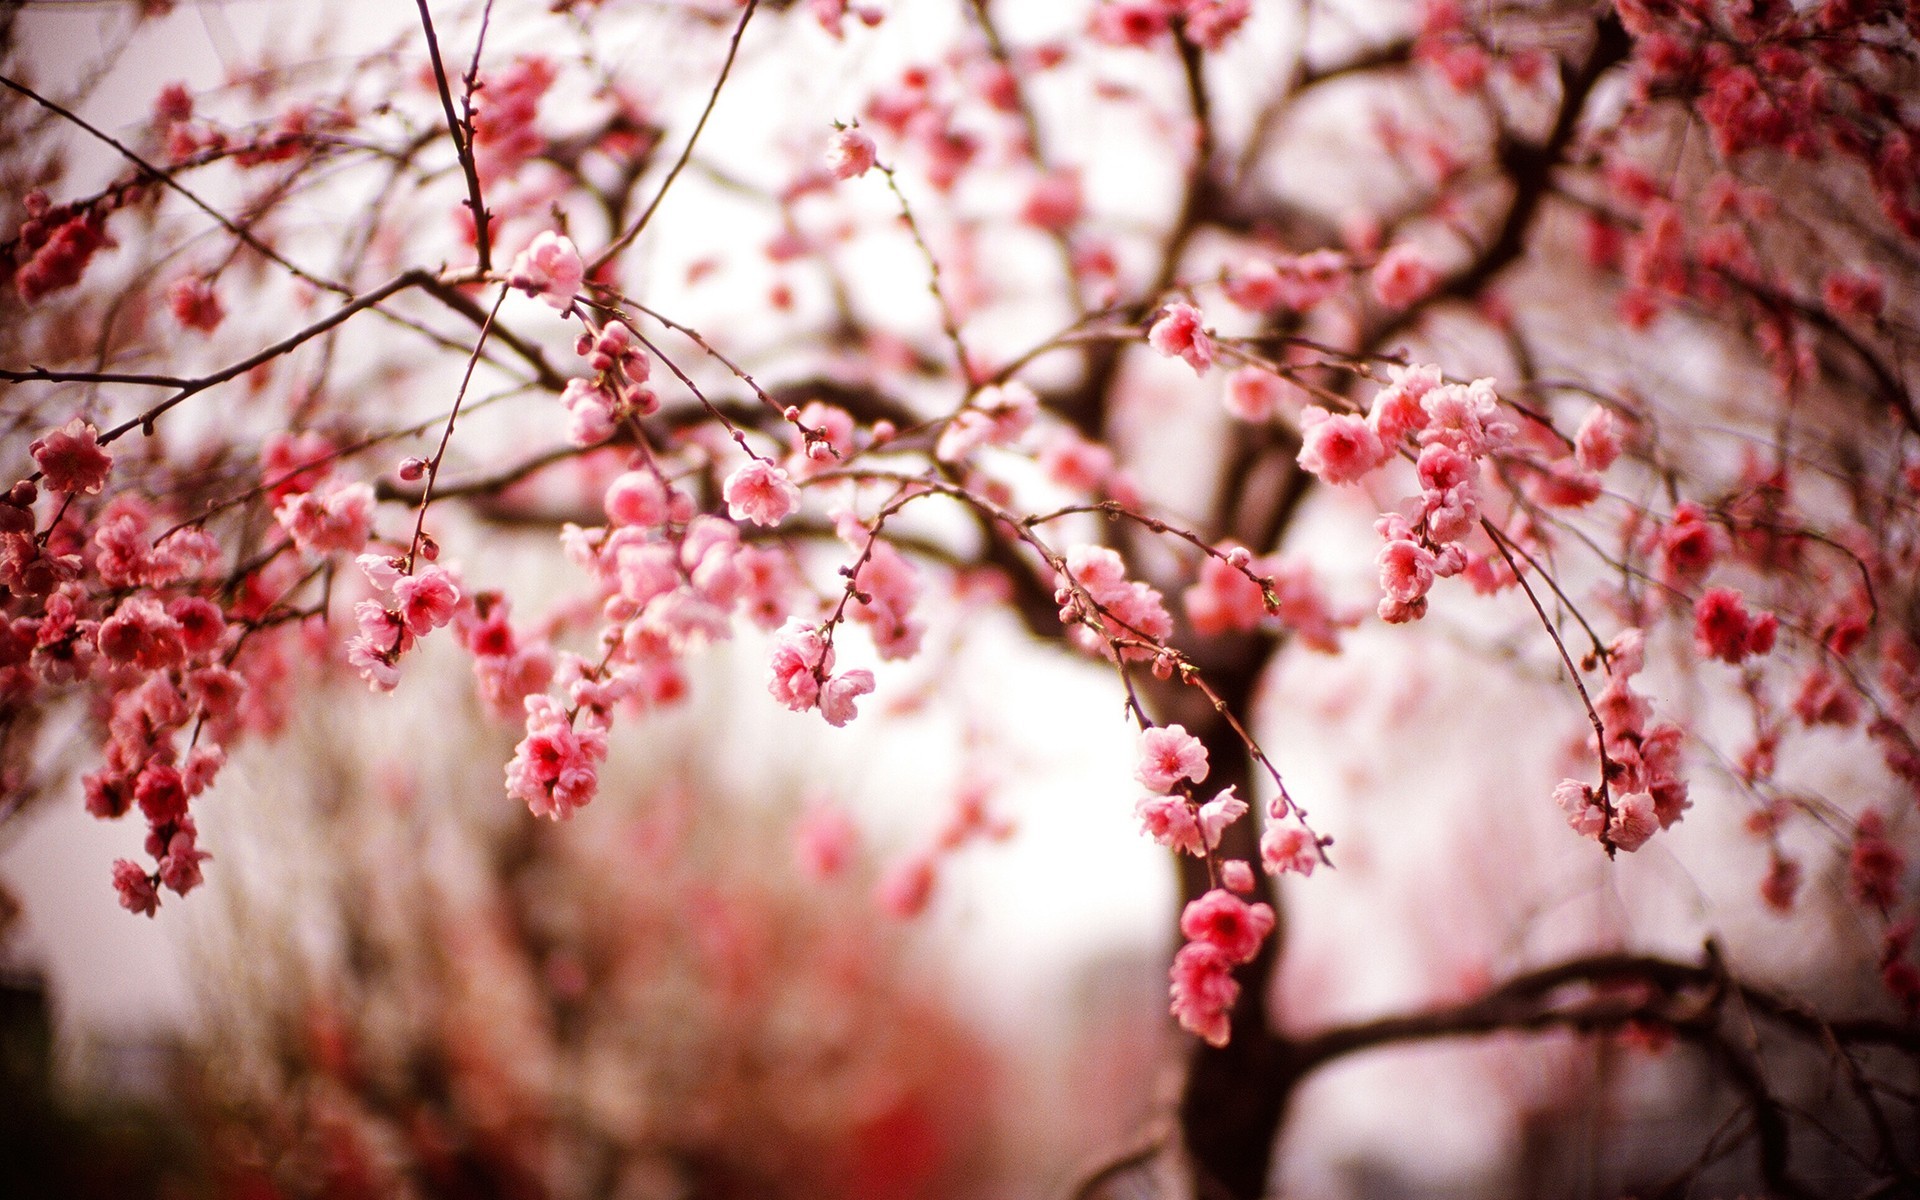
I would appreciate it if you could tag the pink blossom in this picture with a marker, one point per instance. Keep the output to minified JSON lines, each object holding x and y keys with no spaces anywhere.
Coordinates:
{"x":1450,"y":497}
{"x":1406,"y":571}
{"x":830,"y":15}
{"x":1255,"y":286}
{"x":1288,"y":848}
{"x":549,"y":268}
{"x":1724,"y":629}
{"x":1170,"y":821}
{"x":1874,"y":865}
{"x":760,"y":492}
{"x":124,"y":546}
{"x":1218,"y":813}
{"x":294,"y":462}
{"x":201,"y":623}
{"x":1597,"y":442}
{"x":1466,"y":417}
{"x":427,"y":600}
{"x":850,"y":154}
{"x":838,"y":694}
{"x":195,"y":304}
{"x":72,"y":460}
{"x":1054,"y":203}
{"x":1857,"y":294}
{"x":1397,"y":408}
{"x":1305,"y":608}
{"x":141,"y":634}
{"x":636,"y":498}
{"x":381,"y":570}
{"x":1781,"y":885}
{"x":180,"y":864}
{"x":1634,"y":821}
{"x":1581,"y":806}
{"x":615,"y":350}
{"x":61,"y":255}
{"x":506,"y":110}
{"x":137,"y":893}
{"x":1133,"y":610}
{"x":337,"y":517}
{"x":906,"y":887}
{"x":1254,"y":394}
{"x":1237,"y":875}
{"x":1204,"y":990}
{"x":376,"y":649}
{"x":161,"y":792}
{"x":1224,"y":599}
{"x":554,"y":768}
{"x":995,"y":416}
{"x":1403,"y":275}
{"x":1180,"y":333}
{"x":1338,"y":447}
{"x":825,"y":842}
{"x":801,"y":658}
{"x":1211,"y":22}
{"x":1227,"y":922}
{"x":1627,"y":653}
{"x":1131,"y":22}
{"x":1168,"y":754}
{"x":1298,"y":284}
{"x":1075,"y":463}
{"x":1565,"y":484}
{"x":891,"y":587}
{"x":1688,"y":545}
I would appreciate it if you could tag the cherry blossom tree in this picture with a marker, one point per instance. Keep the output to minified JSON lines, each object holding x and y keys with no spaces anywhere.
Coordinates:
{"x":845,"y":322}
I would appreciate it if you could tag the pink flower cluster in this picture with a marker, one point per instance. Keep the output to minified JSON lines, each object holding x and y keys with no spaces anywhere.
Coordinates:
{"x":1724,"y":629}
{"x":1228,"y":597}
{"x":1136,"y":23}
{"x":333,"y":518}
{"x":1643,"y":785}
{"x":54,"y":245}
{"x":1222,"y":931}
{"x":1686,"y":547}
{"x":99,"y":601}
{"x":506,"y":107}
{"x":886,"y":588}
{"x":1294,"y":283}
{"x":1171,"y":762}
{"x":1106,"y":611}
{"x":1456,"y":426}
{"x":507,"y":666}
{"x":556,"y":767}
{"x":617,"y":390}
{"x":414,"y":605}
{"x":801,"y":675}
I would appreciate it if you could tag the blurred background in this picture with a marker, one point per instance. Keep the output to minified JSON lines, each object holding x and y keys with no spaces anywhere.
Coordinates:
{"x":924,"y":956}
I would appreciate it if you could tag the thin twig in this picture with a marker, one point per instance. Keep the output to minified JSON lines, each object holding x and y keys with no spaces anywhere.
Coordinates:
{"x":633,"y":231}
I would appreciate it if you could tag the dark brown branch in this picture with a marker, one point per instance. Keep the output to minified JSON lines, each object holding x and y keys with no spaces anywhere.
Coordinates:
{"x":462,"y":134}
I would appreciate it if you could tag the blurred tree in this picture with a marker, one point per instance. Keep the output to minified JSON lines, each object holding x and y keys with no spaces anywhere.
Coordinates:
{"x":851,"y":320}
